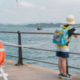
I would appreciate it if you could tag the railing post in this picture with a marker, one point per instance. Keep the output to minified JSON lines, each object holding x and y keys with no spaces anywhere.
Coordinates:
{"x":67,"y":69}
{"x":20,"y":60}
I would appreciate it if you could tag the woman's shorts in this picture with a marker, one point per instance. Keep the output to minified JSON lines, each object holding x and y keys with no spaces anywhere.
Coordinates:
{"x":62,"y":54}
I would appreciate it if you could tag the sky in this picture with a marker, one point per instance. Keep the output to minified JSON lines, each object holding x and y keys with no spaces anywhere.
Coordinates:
{"x":38,"y":11}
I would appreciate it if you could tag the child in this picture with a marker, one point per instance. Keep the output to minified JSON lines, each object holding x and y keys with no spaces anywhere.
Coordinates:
{"x":63,"y":50}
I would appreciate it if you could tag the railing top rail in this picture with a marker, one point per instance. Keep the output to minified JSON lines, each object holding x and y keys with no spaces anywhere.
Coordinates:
{"x":46,"y":33}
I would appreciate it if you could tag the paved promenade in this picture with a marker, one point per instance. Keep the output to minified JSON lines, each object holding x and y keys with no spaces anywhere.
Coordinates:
{"x":31,"y":72}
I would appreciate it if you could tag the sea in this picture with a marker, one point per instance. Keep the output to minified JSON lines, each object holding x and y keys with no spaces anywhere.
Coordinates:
{"x":35,"y":39}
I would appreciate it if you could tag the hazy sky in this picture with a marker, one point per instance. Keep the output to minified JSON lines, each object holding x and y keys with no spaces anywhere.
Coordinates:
{"x":33,"y":11}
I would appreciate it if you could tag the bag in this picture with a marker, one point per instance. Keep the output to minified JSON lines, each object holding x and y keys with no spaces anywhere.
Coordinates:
{"x":60,"y":36}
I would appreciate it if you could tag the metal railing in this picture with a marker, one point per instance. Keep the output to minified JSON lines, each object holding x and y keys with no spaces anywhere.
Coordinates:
{"x":20,"y":57}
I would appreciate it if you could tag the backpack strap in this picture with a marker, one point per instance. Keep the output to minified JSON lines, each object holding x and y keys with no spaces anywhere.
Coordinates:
{"x":69,"y":28}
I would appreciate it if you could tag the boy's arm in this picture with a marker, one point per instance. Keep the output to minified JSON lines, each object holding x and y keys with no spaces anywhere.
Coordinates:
{"x":75,"y":35}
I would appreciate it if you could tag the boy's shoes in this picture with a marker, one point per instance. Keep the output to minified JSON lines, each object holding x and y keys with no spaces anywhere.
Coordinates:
{"x":60,"y":76}
{"x":64,"y":77}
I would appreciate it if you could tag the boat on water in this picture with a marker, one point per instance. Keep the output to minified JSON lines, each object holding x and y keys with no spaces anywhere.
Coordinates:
{"x":39,"y":27}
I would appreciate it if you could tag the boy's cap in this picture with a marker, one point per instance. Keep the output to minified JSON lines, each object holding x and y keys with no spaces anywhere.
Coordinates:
{"x":70,"y":19}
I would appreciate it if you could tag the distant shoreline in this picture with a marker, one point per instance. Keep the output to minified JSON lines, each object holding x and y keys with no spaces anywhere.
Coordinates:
{"x":36,"y":25}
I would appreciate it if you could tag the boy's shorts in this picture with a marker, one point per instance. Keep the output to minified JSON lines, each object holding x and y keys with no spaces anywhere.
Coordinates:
{"x":62,"y":54}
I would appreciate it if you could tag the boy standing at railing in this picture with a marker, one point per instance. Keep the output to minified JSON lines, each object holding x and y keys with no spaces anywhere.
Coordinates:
{"x":63,"y":49}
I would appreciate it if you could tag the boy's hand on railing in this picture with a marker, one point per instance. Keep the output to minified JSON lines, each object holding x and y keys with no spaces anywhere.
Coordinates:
{"x":75,"y":35}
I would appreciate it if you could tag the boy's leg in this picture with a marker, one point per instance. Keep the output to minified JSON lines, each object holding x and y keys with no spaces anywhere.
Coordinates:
{"x":64,"y":68}
{"x":60,"y":65}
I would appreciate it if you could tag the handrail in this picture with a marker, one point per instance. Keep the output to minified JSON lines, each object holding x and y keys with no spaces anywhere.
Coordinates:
{"x":46,"y":33}
{"x":7,"y":32}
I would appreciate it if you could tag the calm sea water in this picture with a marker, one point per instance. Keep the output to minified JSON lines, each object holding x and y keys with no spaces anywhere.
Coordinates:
{"x":29,"y":39}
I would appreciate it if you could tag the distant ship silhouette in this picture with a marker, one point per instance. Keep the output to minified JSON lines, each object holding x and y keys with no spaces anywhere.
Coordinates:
{"x":39,"y":27}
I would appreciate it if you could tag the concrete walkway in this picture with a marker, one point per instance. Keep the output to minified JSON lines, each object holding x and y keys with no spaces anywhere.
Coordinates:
{"x":30,"y":72}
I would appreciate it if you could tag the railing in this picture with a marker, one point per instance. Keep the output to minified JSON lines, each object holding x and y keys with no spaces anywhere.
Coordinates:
{"x":20,"y":57}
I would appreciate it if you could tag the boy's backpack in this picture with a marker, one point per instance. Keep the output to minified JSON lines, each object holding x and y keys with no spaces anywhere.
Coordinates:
{"x":61,"y":36}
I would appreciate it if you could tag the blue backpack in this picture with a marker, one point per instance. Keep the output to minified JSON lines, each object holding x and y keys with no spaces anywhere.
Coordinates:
{"x":60,"y":36}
